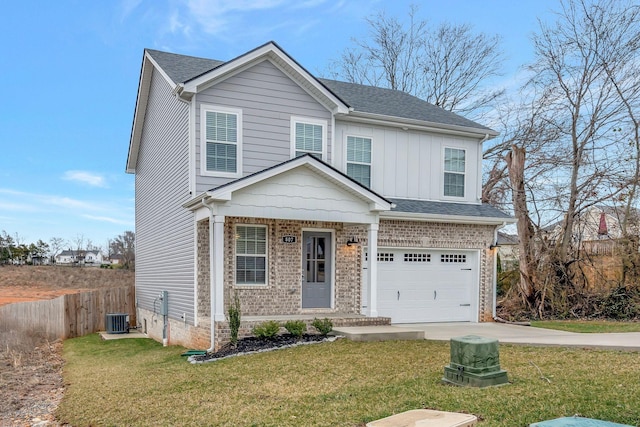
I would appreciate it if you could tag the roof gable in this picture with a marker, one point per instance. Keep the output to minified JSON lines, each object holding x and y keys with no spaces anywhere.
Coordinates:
{"x":320,"y":168}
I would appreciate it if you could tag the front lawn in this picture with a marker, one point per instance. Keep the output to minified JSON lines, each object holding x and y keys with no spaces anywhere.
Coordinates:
{"x":137,"y":382}
{"x":588,"y":326}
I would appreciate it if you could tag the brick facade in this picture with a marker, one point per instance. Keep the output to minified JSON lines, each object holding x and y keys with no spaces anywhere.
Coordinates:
{"x":283,"y":293}
{"x":203,"y":287}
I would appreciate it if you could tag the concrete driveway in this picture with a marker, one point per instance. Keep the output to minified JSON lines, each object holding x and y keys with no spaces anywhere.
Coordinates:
{"x":515,"y":334}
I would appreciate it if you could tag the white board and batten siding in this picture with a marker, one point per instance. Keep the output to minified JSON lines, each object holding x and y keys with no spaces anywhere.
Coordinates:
{"x":426,"y":285}
{"x":268,"y":99}
{"x":164,"y":229}
{"x":398,"y":160}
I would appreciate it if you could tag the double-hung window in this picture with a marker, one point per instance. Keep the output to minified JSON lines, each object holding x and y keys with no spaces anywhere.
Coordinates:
{"x":251,"y":255}
{"x":308,"y":136}
{"x":454,"y":171}
{"x":221,"y":133}
{"x":359,"y":159}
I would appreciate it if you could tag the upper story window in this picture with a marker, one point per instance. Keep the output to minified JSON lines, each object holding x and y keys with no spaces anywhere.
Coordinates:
{"x":454,"y":171}
{"x":251,"y":255}
{"x":221,"y":132}
{"x":359,"y":159}
{"x":308,"y":136}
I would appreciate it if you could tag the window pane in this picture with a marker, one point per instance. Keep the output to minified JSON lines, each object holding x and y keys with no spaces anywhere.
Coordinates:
{"x":308,"y":139}
{"x":454,"y":184}
{"x":221,"y":157}
{"x":358,"y":149}
{"x":359,"y":159}
{"x":251,"y":250}
{"x":361,"y":173}
{"x":454,"y":160}
{"x":222,"y":127}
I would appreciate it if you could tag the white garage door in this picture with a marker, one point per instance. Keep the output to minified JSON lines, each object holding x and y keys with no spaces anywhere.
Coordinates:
{"x":427,"y":285}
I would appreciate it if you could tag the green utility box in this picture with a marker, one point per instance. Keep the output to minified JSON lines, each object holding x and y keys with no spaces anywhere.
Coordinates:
{"x":475,"y":362}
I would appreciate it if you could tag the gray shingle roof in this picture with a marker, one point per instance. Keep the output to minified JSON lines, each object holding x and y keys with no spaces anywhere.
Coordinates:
{"x":364,"y":99}
{"x":182,"y":68}
{"x":447,"y":208}
{"x":394,"y":103}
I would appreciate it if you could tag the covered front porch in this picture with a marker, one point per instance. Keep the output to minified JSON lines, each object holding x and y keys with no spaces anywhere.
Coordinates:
{"x":282,"y":242}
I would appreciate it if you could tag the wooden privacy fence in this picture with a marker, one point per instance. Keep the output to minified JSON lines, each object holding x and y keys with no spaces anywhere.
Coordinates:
{"x":72,"y":315}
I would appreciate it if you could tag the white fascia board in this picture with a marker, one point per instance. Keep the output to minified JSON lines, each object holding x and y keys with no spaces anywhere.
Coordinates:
{"x":413,"y":124}
{"x":456,"y":219}
{"x":280,"y":60}
{"x":144,"y":85}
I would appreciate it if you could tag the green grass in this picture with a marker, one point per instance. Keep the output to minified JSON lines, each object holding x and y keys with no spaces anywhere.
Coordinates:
{"x":137,"y":382}
{"x":588,"y":326}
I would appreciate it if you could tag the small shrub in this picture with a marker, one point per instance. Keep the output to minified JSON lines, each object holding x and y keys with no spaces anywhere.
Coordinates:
{"x":323,"y":326}
{"x":266,"y":330}
{"x":296,"y":327}
{"x":234,"y":318}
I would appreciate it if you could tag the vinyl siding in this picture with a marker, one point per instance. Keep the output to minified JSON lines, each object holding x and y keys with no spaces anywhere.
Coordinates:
{"x":164,"y":229}
{"x":268,"y":98}
{"x":408,"y":164}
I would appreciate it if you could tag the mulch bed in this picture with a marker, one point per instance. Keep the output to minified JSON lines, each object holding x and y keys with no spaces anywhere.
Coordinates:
{"x":257,"y":345}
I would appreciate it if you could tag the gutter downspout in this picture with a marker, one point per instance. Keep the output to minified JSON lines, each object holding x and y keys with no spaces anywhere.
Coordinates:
{"x":495,"y":272}
{"x":479,"y":173}
{"x":212,"y":306}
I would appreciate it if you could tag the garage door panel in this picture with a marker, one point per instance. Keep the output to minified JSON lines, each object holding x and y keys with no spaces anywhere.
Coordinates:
{"x":437,"y":288}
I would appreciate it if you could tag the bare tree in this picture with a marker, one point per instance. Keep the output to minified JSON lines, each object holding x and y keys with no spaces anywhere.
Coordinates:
{"x":125,"y":246}
{"x":449,"y":65}
{"x":585,"y":62}
{"x":56,"y":244}
{"x":584,"y":106}
{"x":79,"y":252}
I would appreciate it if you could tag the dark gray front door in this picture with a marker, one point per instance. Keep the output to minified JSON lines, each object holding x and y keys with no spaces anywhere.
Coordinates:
{"x":316,"y":270}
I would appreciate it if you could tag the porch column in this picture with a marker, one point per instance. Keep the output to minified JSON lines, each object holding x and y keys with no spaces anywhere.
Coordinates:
{"x":372,"y":266}
{"x":217,"y":263}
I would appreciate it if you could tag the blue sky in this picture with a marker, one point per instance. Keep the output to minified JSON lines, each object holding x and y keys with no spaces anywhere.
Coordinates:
{"x":70,"y":72}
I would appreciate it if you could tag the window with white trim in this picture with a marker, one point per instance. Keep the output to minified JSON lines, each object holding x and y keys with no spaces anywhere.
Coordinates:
{"x":221,"y":136}
{"x":359,"y":159}
{"x":308,"y":136}
{"x":251,"y":255}
{"x":454,"y":172}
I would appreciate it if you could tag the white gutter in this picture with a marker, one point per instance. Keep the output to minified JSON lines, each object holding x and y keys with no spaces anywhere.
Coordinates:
{"x":479,"y":172}
{"x":414,"y":124}
{"x":455,"y":219}
{"x":212,"y":306}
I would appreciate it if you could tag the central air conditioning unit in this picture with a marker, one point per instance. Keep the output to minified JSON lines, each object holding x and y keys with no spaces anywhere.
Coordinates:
{"x":117,"y":323}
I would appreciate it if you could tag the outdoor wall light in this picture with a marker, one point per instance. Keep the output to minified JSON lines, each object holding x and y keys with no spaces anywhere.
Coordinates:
{"x":352,"y":241}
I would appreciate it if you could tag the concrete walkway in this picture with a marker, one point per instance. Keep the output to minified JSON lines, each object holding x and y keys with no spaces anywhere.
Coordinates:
{"x":504,"y":333}
{"x":529,"y":335}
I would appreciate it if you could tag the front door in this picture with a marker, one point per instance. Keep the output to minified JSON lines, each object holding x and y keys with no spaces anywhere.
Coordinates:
{"x":316,"y":269}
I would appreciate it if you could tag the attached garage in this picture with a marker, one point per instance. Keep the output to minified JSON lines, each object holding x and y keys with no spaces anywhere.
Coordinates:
{"x":427,"y":285}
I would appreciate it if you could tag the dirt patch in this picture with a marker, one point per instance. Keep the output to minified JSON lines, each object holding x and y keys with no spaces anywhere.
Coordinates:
{"x":30,"y":367}
{"x":35,"y":283}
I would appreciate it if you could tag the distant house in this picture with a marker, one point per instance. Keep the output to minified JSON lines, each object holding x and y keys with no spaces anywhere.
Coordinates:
{"x":508,"y":251}
{"x":79,"y":257}
{"x":598,"y":229}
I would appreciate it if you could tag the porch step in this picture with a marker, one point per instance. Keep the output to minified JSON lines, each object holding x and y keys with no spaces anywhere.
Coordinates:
{"x":378,"y":333}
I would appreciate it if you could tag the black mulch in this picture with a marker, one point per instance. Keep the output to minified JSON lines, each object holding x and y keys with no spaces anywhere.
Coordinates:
{"x":255,"y":345}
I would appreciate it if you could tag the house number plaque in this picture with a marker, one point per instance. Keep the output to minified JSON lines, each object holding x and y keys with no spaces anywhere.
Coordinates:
{"x":288,"y":239}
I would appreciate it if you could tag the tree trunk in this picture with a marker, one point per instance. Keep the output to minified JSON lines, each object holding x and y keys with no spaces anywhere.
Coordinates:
{"x":515,"y":162}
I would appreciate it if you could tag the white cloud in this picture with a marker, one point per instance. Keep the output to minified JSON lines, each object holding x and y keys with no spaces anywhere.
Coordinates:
{"x":85,"y":177}
{"x":109,"y":220}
